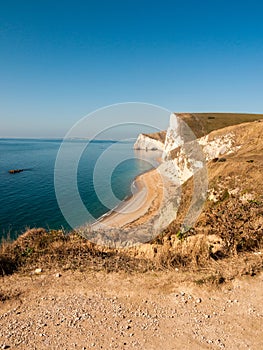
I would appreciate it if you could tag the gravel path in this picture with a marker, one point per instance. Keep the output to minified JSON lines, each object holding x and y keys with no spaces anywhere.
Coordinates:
{"x":120,"y":311}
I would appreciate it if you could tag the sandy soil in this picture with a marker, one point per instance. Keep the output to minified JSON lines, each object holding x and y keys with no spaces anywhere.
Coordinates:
{"x":121,"y":311}
{"x":143,"y":204}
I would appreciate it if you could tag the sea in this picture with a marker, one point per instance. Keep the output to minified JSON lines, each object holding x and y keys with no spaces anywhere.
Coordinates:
{"x":28,"y":198}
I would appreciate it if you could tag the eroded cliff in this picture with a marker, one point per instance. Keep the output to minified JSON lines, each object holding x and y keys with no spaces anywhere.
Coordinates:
{"x":150,"y":142}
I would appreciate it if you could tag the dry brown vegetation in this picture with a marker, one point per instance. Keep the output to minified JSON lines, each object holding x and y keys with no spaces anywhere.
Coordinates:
{"x":55,"y":250}
{"x":49,"y":249}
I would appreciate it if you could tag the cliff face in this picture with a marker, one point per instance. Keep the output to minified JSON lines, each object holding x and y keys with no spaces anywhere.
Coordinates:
{"x":148,"y":143}
{"x":174,"y":136}
{"x":179,"y":134}
{"x":184,"y":155}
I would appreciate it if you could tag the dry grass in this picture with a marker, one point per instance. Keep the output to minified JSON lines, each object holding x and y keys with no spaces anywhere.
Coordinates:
{"x":38,"y":248}
{"x":47,"y":249}
{"x":203,"y":123}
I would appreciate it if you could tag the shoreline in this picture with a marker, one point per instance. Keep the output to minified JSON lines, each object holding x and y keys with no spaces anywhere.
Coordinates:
{"x":138,"y":207}
{"x":125,"y":199}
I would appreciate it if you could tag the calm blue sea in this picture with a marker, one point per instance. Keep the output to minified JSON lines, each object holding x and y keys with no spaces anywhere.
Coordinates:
{"x":28,"y":198}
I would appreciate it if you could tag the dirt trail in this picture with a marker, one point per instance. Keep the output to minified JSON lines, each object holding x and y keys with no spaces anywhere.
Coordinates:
{"x":121,"y":311}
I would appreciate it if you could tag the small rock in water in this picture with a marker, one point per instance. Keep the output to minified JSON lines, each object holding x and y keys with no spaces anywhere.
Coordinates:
{"x":15,"y":171}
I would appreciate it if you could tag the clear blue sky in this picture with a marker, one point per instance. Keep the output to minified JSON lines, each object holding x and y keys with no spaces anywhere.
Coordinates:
{"x":59,"y":60}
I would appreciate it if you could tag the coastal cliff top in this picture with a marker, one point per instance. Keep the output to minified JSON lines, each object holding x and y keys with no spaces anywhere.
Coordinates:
{"x":204,"y":123}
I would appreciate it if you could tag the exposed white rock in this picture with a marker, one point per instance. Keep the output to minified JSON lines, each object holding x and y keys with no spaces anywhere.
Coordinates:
{"x":218,"y":146}
{"x":174,"y":137}
{"x":189,"y":157}
{"x":182,"y":167}
{"x":213,"y":195}
{"x":246,"y":197}
{"x":144,"y":142}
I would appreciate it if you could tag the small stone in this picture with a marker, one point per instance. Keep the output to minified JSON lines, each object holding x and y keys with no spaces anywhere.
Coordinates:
{"x":38,"y":270}
{"x":198,"y":300}
{"x":5,"y":346}
{"x":57,"y":275}
{"x":182,"y":294}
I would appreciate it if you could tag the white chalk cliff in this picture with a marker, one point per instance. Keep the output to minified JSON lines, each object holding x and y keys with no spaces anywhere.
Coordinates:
{"x":184,"y":155}
{"x":174,"y":138}
{"x":145,"y":142}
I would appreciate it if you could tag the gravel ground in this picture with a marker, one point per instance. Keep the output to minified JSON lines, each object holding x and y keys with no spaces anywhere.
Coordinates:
{"x":121,"y":311}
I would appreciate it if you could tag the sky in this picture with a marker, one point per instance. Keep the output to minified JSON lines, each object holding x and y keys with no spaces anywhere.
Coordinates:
{"x":61,"y":60}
